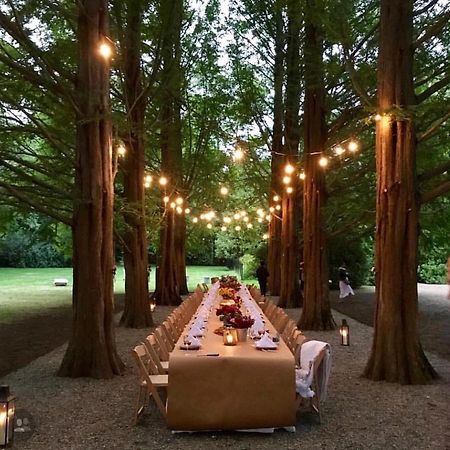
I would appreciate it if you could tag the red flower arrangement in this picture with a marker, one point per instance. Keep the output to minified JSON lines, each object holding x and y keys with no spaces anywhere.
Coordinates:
{"x":228,"y":310}
{"x":241,"y":321}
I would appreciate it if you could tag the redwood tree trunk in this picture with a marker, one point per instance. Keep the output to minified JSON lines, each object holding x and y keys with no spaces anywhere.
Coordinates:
{"x":274,"y":255}
{"x":172,"y":263}
{"x":180,"y":252}
{"x":397,"y":354}
{"x":136,"y":313}
{"x":92,"y":351}
{"x":316,"y":312}
{"x":290,"y":295}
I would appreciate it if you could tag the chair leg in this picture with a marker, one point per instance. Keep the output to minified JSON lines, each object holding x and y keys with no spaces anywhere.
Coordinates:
{"x":142,"y":400}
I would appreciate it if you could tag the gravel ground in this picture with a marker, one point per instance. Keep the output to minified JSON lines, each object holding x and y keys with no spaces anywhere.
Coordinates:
{"x":358,"y":414}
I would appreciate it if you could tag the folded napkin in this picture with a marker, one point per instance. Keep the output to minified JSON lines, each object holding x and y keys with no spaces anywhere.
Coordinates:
{"x":266,"y":342}
{"x":195,"y":343}
{"x":196,"y":331}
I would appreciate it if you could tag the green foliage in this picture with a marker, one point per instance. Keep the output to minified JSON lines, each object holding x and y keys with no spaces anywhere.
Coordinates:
{"x":432,"y":272}
{"x":250,"y":264}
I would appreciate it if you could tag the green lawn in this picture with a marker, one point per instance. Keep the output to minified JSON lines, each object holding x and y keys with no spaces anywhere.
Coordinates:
{"x":27,"y":292}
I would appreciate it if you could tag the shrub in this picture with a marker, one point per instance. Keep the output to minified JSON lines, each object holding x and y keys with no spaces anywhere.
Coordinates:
{"x":250,"y":264}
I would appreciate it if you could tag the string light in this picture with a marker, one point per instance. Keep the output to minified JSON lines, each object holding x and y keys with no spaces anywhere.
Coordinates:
{"x":209,"y":225}
{"x":187,"y":211}
{"x":377,"y":117}
{"x":121,"y":150}
{"x":302,"y":176}
{"x":323,"y":162}
{"x":272,"y":209}
{"x":249,"y":225}
{"x":179,"y":200}
{"x":105,"y":50}
{"x":224,"y":228}
{"x":265,"y":236}
{"x":147,"y":184}
{"x":289,"y":169}
{"x":237,"y":216}
{"x":338,"y":150}
{"x":289,"y":189}
{"x":260,"y":212}
{"x":353,"y":146}
{"x":173,"y":205}
{"x":286,"y":179}
{"x":245,"y":219}
{"x":238,"y":155}
{"x":276,"y":198}
{"x":148,"y":178}
{"x":260,"y":220}
{"x":179,"y":209}
{"x":268,"y":218}
{"x":226,"y":219}
{"x":243,"y":213}
{"x":224,"y":190}
{"x":166,"y":199}
{"x":278,"y":207}
{"x":195,"y":219}
{"x":163,"y":181}
{"x":237,"y":228}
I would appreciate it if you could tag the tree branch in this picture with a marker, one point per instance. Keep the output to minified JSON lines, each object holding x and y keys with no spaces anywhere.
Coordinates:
{"x":435,"y":192}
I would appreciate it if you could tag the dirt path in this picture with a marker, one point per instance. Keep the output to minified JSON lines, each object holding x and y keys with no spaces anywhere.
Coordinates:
{"x":434,"y":314}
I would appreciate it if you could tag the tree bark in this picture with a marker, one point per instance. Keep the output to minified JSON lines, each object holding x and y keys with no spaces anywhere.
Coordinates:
{"x":316,"y":312}
{"x":290,"y":295}
{"x":172,"y":269}
{"x":274,"y":255}
{"x":396,"y":354}
{"x":136,"y":313}
{"x":92,"y":351}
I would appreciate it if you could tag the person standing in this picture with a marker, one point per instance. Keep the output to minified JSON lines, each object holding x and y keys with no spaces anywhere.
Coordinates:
{"x":344,"y":283}
{"x":262,"y":274}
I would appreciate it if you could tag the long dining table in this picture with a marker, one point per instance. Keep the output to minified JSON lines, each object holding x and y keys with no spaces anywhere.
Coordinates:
{"x":221,"y":387}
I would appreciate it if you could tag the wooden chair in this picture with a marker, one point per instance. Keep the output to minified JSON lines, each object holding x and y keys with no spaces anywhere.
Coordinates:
{"x":153,"y":350}
{"x":318,"y":372}
{"x":205,"y":287}
{"x":149,"y":383}
{"x":164,"y":347}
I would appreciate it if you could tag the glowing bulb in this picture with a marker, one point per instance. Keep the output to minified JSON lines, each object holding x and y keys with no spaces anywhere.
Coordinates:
{"x":202,"y":217}
{"x":339,"y":150}
{"x":243,"y":213}
{"x":224,"y":228}
{"x":271,"y":209}
{"x":179,"y":200}
{"x":265,"y":236}
{"x":249,"y":225}
{"x":237,"y":228}
{"x":209,"y":226}
{"x":289,"y":169}
{"x":260,"y":219}
{"x":323,"y":162}
{"x":147,"y":184}
{"x":226,"y":219}
{"x":353,"y":146}
{"x":286,"y":179}
{"x":187,"y":211}
{"x":237,"y":216}
{"x":179,"y":209}
{"x":289,"y":189}
{"x":268,"y":218}
{"x":245,"y":219}
{"x":276,"y":198}
{"x":173,"y":204}
{"x":148,"y":179}
{"x":377,"y":117}
{"x":278,"y":207}
{"x":302,"y":176}
{"x":163,"y":181}
{"x":238,"y":155}
{"x":195,"y":219}
{"x":260,"y":212}
{"x":121,"y":150}
{"x":105,"y":50}
{"x":166,"y":199}
{"x":224,"y":190}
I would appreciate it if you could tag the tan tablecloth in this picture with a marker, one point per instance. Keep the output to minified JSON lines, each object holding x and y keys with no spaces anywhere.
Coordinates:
{"x":242,"y":388}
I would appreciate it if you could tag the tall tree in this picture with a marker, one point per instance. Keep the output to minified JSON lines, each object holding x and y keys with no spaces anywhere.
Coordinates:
{"x":290,"y":295}
{"x":136,"y":312}
{"x":276,"y":185}
{"x":316,"y":312}
{"x":397,"y":355}
{"x":91,"y":351}
{"x":168,"y":281}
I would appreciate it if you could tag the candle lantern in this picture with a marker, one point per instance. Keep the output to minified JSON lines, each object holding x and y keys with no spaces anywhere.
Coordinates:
{"x":230,"y":336}
{"x":7,"y":413}
{"x":345,"y":333}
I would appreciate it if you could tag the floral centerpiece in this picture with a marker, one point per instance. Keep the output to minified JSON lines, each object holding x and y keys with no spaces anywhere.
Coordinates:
{"x":241,"y":322}
{"x":227,"y":293}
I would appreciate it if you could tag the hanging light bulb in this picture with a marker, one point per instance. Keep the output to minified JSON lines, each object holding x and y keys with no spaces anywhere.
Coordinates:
{"x":187,"y":211}
{"x":227,"y":219}
{"x":276,"y":198}
{"x":249,"y":225}
{"x":224,"y":228}
{"x":163,"y":181}
{"x":243,"y":213}
{"x":237,"y":216}
{"x":121,"y":150}
{"x":353,"y":146}
{"x":166,"y":199}
{"x":148,"y":179}
{"x":302,"y":176}
{"x":289,"y":169}
{"x":245,"y":219}
{"x":105,"y":50}
{"x":286,"y":179}
{"x":209,"y":225}
{"x":179,"y":200}
{"x":260,"y":219}
{"x":339,"y":150}
{"x":195,"y":219}
{"x":237,"y":228}
{"x":147,"y":184}
{"x":289,"y":189}
{"x":377,"y":117}
{"x":173,"y":205}
{"x":202,"y":217}
{"x":260,"y":212}
{"x":272,"y":209}
{"x":323,"y":162}
{"x":265,"y":236}
{"x":224,"y":190}
{"x":268,"y":218}
{"x":278,"y":207}
{"x":238,"y":155}
{"x":179,"y":209}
